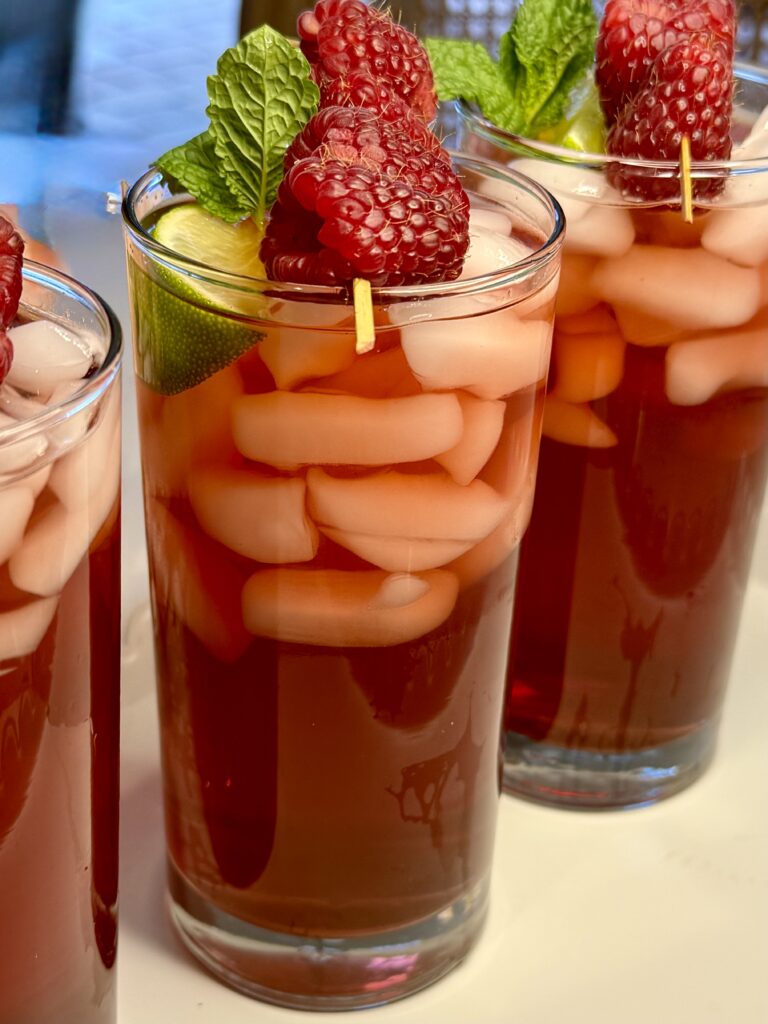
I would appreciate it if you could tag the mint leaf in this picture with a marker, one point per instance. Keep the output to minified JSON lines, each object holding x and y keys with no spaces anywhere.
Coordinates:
{"x":195,"y":166}
{"x":261,"y":96}
{"x":542,"y":57}
{"x":465,"y":70}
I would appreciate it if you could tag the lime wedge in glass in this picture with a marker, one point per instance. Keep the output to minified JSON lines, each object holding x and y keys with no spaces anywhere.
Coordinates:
{"x":584,"y":128}
{"x":186,"y":328}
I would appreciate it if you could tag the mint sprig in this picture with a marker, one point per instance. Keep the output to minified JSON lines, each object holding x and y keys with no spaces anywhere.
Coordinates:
{"x":261,"y":97}
{"x":544,"y":55}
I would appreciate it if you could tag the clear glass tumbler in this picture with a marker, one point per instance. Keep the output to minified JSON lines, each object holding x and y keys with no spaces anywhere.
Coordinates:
{"x":652,"y":469}
{"x":332,"y":542}
{"x":59,"y":656}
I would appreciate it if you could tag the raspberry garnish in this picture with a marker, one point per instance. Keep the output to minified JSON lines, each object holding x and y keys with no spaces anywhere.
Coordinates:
{"x":11,"y":252}
{"x":341,"y":37}
{"x":362,"y":224}
{"x":689,"y":92}
{"x":361,"y":89}
{"x":633,"y":33}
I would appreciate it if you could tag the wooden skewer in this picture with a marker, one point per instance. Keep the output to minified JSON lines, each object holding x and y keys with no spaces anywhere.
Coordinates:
{"x":686,"y":185}
{"x":365,"y":331}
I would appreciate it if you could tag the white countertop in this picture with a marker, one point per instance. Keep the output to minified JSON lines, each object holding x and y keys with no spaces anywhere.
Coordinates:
{"x":653,"y":916}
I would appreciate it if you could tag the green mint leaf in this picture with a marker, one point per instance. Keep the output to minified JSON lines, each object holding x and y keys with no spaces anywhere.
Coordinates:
{"x":542,"y":57}
{"x":196,"y":168}
{"x":261,"y":96}
{"x":465,"y":70}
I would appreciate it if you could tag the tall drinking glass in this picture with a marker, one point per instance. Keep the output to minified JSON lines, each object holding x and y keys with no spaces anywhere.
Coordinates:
{"x":59,"y":656}
{"x":652,"y":471}
{"x":332,"y":542}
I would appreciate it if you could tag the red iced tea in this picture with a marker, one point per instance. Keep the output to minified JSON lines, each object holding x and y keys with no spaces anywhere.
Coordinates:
{"x":59,"y":658}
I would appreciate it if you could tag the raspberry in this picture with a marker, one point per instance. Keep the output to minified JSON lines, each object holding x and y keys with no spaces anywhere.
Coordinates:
{"x":634,"y":32}
{"x":360,"y":89}
{"x":341,"y":37}
{"x":406,"y":150}
{"x":363,"y":224}
{"x":689,"y":91}
{"x":11,"y":252}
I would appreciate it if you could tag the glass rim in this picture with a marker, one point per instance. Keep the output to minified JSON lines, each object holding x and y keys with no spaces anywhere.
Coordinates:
{"x":93,"y":387}
{"x":515,"y":273}
{"x":599,"y":161}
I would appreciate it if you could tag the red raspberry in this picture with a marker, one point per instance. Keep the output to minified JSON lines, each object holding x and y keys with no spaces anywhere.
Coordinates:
{"x":406,"y":150}
{"x":340,"y":37}
{"x":634,"y":32}
{"x":689,"y":91}
{"x":386,"y":230}
{"x":11,"y":252}
{"x":361,"y":89}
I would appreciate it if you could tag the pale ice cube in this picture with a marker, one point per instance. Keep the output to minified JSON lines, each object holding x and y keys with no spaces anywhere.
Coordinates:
{"x":77,"y":475}
{"x":22,"y":629}
{"x":483,"y":421}
{"x":599,"y":320}
{"x":690,"y":288}
{"x":288,"y":430}
{"x":576,"y":424}
{"x":260,"y":517}
{"x":491,"y":355}
{"x":377,"y":375}
{"x":15,"y":509}
{"x":45,"y":354}
{"x":59,"y":539}
{"x":604,"y":231}
{"x":575,"y":294}
{"x":296,"y":354}
{"x":490,"y":252}
{"x":586,"y":366}
{"x":739,"y":235}
{"x":482,"y":217}
{"x":36,"y":481}
{"x":427,"y":506}
{"x":398,"y":554}
{"x":575,"y":188}
{"x":399,"y":589}
{"x":193,"y":583}
{"x":495,"y":548}
{"x":639,"y":328}
{"x":334,"y":608}
{"x":16,"y":455}
{"x":697,"y":370}
{"x":756,"y":143}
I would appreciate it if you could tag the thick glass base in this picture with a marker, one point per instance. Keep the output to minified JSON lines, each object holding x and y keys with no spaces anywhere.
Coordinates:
{"x":311,"y":973}
{"x":564,"y":777}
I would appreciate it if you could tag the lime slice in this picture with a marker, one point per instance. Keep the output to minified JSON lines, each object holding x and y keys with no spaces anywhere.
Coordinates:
{"x":584,"y":129}
{"x":185,"y":329}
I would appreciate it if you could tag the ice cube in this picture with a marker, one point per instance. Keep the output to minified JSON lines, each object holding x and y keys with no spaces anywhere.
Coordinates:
{"x":36,"y":481}
{"x":575,"y":294}
{"x":511,"y":469}
{"x":697,"y":370}
{"x":22,"y":629}
{"x":289,"y":430}
{"x":690,"y":288}
{"x":59,"y":539}
{"x":649,"y":331}
{"x":186,"y":430}
{"x":296,"y":354}
{"x":599,"y":320}
{"x":376,"y":375}
{"x":428,"y":506}
{"x":755,"y":145}
{"x":494,"y":549}
{"x":576,"y":424}
{"x":398,"y":554}
{"x":77,"y":475}
{"x":586,"y":366}
{"x":260,"y":517}
{"x":604,"y":231}
{"x":487,"y":219}
{"x":15,"y":509}
{"x":575,"y":188}
{"x":16,"y":455}
{"x":483,"y":421}
{"x":738,"y":235}
{"x":490,"y":252}
{"x":491,"y":355}
{"x":45,"y":354}
{"x":194,"y":584}
{"x":334,"y":608}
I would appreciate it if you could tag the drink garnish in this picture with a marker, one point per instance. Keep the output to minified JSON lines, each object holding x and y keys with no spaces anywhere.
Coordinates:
{"x":543,"y":58}
{"x":11,"y":254}
{"x":686,"y":185}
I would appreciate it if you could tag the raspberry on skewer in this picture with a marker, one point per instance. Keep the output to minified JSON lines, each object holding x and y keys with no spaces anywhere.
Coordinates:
{"x":11,"y":253}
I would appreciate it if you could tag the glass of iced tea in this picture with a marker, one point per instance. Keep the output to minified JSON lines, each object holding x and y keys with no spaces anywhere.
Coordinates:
{"x":332,"y":540}
{"x":652,"y":469}
{"x":59,"y":653}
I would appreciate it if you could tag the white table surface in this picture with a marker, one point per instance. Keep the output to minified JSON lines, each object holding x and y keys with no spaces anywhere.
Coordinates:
{"x":654,"y":916}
